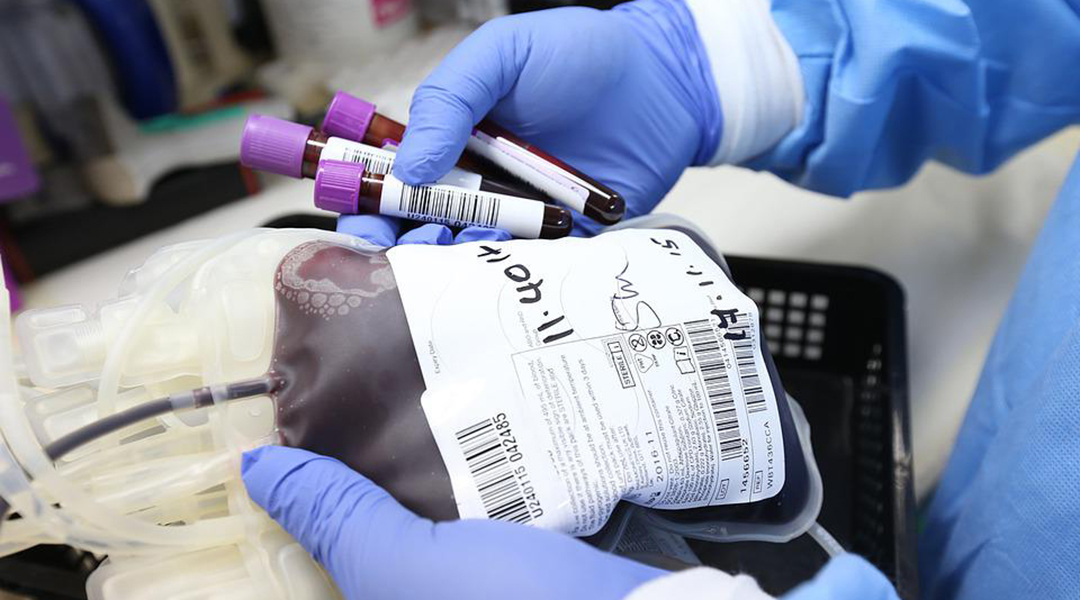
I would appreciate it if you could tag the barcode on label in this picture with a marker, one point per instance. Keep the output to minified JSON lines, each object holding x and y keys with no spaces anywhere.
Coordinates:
{"x":706,"y":346}
{"x":749,"y":378}
{"x":456,"y":206}
{"x":374,"y":162}
{"x":493,"y":473}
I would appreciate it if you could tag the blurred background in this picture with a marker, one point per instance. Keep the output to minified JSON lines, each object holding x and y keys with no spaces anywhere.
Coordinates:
{"x":119,"y":133}
{"x":122,"y":117}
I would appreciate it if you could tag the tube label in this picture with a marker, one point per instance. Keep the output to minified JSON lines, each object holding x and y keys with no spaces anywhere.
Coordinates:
{"x":380,"y":161}
{"x":460,"y":207}
{"x":558,"y":385}
{"x":532,"y":169}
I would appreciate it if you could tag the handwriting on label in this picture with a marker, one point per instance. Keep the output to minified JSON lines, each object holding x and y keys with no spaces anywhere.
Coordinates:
{"x":530,"y":292}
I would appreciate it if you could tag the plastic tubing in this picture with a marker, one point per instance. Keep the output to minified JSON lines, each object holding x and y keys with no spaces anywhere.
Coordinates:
{"x":130,"y":534}
{"x":17,"y":435}
{"x":825,"y":540}
{"x":180,"y":478}
{"x":21,"y":534}
{"x":107,"y":425}
{"x":118,"y":351}
{"x":212,"y":469}
{"x":188,"y":400}
{"x":102,"y":528}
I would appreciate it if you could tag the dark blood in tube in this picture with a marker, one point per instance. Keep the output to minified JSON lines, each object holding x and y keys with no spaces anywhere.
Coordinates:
{"x":353,"y":118}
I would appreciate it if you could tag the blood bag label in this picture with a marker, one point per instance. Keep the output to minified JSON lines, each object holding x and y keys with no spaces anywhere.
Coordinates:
{"x":564,"y":376}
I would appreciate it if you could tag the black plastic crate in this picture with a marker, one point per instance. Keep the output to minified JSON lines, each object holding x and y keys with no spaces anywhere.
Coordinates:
{"x":837,"y":334}
{"x":47,"y":573}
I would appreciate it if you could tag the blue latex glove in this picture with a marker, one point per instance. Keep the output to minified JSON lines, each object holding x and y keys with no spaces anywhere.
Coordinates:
{"x":375,"y":549}
{"x":624,"y":95}
{"x":1004,"y":520}
{"x":846,"y":577}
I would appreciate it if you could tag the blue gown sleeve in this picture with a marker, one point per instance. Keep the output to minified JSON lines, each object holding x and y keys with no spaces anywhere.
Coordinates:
{"x":892,"y":83}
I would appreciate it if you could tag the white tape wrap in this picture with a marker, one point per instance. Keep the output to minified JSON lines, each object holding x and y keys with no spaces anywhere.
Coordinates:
{"x":756,"y":73}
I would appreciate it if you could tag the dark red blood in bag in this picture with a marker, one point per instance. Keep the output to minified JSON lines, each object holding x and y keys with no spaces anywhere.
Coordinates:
{"x":352,"y":382}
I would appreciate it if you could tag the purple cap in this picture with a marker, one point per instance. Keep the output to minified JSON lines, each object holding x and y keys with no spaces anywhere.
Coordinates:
{"x":18,"y":178}
{"x":337,"y":186}
{"x":348,"y":117}
{"x":274,"y":145}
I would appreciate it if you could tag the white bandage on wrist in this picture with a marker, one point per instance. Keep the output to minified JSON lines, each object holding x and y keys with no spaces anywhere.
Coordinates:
{"x":756,"y":73}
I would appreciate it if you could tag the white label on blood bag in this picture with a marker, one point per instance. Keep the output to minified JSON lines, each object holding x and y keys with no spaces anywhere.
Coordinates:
{"x":461,"y":207}
{"x":626,"y":366}
{"x":380,"y":161}
{"x":530,"y":168}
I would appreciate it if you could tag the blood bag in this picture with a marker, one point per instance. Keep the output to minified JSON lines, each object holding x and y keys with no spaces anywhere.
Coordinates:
{"x":548,"y":383}
{"x":543,"y":383}
{"x":352,"y":381}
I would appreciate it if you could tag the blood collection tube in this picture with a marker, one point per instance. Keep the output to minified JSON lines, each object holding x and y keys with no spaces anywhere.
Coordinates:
{"x":354,"y":119}
{"x":490,"y":145}
{"x":347,"y":188}
{"x":294,"y":150}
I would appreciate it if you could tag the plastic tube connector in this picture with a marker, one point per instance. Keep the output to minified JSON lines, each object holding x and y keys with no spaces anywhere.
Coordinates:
{"x":91,"y":340}
{"x":61,"y":346}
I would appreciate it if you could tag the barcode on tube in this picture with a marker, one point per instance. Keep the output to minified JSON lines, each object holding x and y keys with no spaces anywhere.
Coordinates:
{"x":450,"y":205}
{"x":374,"y":162}
{"x":706,"y":347}
{"x":749,"y":378}
{"x":492,"y":472}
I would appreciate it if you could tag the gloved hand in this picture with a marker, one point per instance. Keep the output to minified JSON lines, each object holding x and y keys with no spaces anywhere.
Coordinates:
{"x":624,"y":95}
{"x":374,"y":548}
{"x":384,"y":231}
{"x":845,"y":577}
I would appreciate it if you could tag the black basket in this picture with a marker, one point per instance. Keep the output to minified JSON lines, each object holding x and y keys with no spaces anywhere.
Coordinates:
{"x":47,"y":573}
{"x":838,"y":337}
